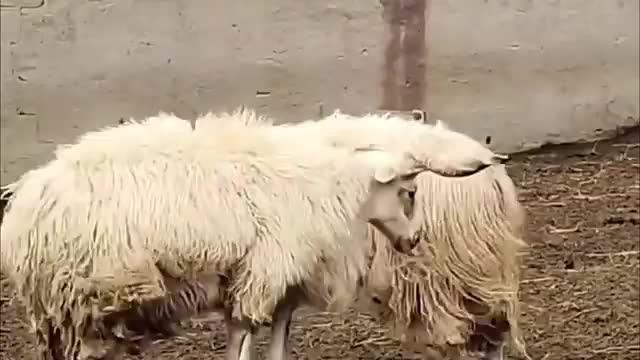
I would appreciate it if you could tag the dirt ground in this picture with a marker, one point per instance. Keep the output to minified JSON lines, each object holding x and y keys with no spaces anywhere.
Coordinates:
{"x":581,"y":279}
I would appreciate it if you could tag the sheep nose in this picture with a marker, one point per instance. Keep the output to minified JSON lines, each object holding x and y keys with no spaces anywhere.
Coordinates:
{"x":406,"y":244}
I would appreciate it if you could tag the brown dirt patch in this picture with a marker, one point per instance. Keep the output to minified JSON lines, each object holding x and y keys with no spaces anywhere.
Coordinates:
{"x":581,"y":288}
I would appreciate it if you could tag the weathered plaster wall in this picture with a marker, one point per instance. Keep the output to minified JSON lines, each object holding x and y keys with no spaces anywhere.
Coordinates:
{"x":524,"y":72}
{"x":534,"y":71}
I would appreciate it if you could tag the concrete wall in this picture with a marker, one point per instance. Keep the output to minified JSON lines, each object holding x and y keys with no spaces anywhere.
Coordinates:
{"x":522,"y":71}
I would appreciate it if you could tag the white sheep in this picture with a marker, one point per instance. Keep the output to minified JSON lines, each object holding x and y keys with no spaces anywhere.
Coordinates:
{"x":466,"y":270}
{"x":101,"y":225}
{"x":342,"y":131}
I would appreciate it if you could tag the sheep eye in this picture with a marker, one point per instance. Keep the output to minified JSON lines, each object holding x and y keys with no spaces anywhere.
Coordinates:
{"x":409,"y":193}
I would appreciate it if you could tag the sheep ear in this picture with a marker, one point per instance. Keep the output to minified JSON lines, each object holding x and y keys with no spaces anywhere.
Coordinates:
{"x":419,"y":115}
{"x":501,"y":158}
{"x":385,"y":174}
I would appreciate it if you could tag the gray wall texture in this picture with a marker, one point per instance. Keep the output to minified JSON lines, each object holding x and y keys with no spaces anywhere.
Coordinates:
{"x":524,"y":72}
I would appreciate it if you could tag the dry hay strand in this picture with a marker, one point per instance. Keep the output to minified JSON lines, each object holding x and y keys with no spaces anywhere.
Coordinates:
{"x":7,"y":291}
{"x":351,"y":332}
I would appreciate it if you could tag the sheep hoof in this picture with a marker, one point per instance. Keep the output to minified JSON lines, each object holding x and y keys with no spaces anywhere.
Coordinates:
{"x":134,"y":350}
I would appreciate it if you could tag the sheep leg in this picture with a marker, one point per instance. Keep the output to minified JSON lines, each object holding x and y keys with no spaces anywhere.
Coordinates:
{"x":240,"y":334}
{"x":278,"y":346}
{"x":49,"y":342}
{"x":247,"y":351}
{"x":494,"y":352}
{"x":488,"y":339}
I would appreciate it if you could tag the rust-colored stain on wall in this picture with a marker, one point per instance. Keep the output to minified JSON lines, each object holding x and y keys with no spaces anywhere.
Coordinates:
{"x":404,"y":72}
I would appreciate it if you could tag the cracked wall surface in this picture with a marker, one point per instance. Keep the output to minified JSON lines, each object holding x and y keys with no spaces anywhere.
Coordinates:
{"x":523,"y":72}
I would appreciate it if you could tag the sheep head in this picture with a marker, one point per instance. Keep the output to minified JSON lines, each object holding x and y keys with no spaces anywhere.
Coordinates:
{"x":389,"y":206}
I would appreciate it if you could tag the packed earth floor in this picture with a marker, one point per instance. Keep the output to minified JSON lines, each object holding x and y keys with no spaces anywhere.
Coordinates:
{"x":580,"y":289}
